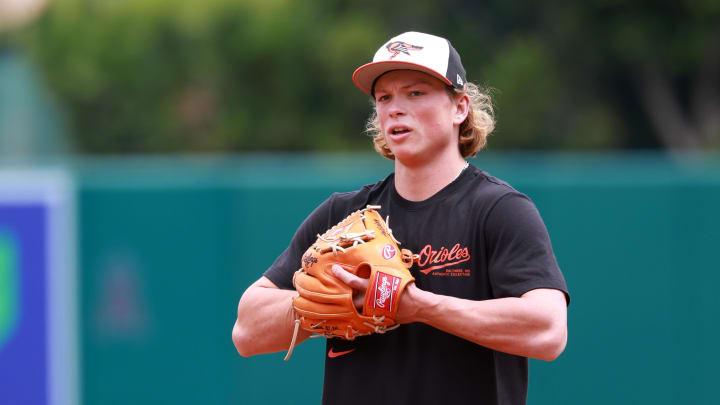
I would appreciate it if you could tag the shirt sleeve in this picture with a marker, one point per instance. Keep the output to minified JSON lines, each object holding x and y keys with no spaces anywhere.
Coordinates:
{"x":282,"y":270}
{"x":520,"y":255}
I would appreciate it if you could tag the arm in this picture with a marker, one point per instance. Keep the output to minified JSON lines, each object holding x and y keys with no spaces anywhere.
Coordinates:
{"x":265,"y":320}
{"x":533,"y":325}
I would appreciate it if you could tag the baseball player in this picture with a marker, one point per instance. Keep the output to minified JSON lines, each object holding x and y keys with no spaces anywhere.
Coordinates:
{"x":488,"y":293}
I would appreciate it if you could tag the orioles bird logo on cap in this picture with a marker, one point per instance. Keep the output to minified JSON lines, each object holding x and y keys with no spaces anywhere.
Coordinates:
{"x":398,"y":46}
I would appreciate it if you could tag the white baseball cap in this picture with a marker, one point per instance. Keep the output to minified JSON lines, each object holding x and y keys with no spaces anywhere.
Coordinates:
{"x":414,"y":51}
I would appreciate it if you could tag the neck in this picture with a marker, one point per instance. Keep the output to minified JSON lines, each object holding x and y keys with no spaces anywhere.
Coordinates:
{"x":418,"y":183}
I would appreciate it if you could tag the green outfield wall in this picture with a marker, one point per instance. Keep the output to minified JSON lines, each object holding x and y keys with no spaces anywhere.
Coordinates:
{"x":168,"y":245}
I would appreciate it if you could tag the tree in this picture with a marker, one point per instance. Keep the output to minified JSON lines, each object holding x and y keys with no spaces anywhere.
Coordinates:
{"x":222,"y":75}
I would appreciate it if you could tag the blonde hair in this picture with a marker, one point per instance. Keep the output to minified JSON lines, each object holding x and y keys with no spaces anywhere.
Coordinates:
{"x":473,"y":133}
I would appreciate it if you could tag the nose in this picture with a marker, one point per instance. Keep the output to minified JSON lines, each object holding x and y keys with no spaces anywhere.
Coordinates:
{"x":395,"y":109}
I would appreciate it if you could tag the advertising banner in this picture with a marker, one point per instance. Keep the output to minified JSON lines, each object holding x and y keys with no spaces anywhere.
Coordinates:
{"x":38,"y":355}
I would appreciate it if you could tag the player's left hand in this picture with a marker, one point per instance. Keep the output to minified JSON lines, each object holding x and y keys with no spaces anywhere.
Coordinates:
{"x":359,"y":285}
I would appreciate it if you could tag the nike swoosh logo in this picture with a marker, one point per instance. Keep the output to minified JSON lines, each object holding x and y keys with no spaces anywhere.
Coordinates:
{"x":333,"y":354}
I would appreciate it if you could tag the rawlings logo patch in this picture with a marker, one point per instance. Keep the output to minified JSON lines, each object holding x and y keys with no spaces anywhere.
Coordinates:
{"x":388,"y":252}
{"x":386,"y":291}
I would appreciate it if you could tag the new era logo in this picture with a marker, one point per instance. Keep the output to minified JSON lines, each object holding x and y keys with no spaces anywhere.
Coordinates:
{"x":460,"y":80}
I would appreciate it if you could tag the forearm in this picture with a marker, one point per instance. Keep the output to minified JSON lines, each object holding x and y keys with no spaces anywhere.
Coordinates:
{"x":531,"y":326}
{"x":265,"y":320}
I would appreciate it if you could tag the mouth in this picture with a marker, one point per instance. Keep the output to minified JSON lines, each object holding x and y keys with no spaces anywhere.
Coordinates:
{"x":399,"y":131}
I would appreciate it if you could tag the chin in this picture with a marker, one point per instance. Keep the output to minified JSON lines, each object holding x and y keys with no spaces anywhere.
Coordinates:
{"x":407,"y":158}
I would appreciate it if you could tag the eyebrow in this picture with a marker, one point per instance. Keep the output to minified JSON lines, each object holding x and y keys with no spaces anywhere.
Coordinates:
{"x":414,"y":83}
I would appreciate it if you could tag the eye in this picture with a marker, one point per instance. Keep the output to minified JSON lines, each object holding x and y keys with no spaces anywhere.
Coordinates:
{"x":416,"y":93}
{"x":383,"y":97}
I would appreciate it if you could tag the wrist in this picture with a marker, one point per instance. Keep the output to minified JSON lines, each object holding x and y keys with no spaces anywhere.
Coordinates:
{"x":410,"y":309}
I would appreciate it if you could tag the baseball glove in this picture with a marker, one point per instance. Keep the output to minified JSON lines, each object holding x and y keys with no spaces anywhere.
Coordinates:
{"x":364,"y":245}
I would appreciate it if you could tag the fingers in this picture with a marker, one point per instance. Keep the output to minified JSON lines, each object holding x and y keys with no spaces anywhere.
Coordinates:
{"x":355,"y":282}
{"x":358,"y":301}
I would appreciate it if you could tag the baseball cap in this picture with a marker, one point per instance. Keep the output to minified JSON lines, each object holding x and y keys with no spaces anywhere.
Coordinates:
{"x":414,"y":51}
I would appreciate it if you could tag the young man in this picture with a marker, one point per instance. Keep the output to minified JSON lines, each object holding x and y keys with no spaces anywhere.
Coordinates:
{"x":488,"y":292}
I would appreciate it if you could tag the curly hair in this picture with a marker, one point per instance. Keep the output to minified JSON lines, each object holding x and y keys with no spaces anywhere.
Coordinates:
{"x":473,"y":132}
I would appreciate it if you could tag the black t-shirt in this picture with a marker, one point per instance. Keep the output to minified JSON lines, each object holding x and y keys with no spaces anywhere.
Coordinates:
{"x":478,"y":238}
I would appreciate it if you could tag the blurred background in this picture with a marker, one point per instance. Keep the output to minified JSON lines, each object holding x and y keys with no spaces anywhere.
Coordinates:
{"x":156,"y":156}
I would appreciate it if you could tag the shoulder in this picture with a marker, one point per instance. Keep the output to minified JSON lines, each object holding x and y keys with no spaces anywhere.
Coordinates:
{"x":504,"y":210}
{"x":488,"y":190}
{"x":339,"y":204}
{"x":342,"y":203}
{"x":495,"y":201}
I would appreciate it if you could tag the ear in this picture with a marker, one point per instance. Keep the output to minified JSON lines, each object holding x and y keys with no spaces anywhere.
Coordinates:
{"x":462,"y":108}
